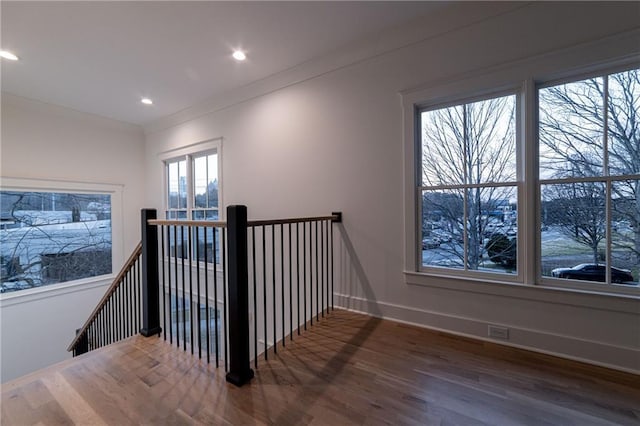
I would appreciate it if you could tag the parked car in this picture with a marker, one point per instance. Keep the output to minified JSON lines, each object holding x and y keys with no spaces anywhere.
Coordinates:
{"x":442,"y":236}
{"x":593,"y":272}
{"x":430,"y":242}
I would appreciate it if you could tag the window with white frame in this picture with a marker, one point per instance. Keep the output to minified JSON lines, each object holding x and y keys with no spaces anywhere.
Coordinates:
{"x":589,"y":170}
{"x":468,"y":189}
{"x":540,"y":185}
{"x":57,"y":232}
{"x":193,"y":192}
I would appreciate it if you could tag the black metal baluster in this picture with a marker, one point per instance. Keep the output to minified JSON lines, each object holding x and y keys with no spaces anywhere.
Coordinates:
{"x":130,"y":314}
{"x":107,"y":308}
{"x":199,"y":316}
{"x":282,"y":280}
{"x":168,"y":306}
{"x":298,"y":273}
{"x":224,"y":293}
{"x":118,"y":318}
{"x":327,"y":227}
{"x":164,"y":288}
{"x":206,"y":285}
{"x":264,"y":288}
{"x":175,"y":239}
{"x":322,"y":292}
{"x":112,"y":302}
{"x":123,"y":310}
{"x":102,"y":326}
{"x":317,"y":278}
{"x":290,"y":287}
{"x":190,"y":251}
{"x":115,"y":315}
{"x":332,"y":271}
{"x":215,"y":297}
{"x":96,"y":322}
{"x":273,"y":276}
{"x":255,"y":297}
{"x":184,"y":295}
{"x":134,"y":299}
{"x":136,"y":290}
{"x":311,"y":273}
{"x":304,"y":270}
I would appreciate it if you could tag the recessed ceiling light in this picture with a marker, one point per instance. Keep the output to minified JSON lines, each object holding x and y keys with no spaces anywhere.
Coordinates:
{"x":146,"y":101}
{"x":8,"y":55}
{"x":239,"y":55}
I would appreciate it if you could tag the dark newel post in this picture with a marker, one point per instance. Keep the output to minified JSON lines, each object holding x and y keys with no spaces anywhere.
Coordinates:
{"x":240,"y":371}
{"x":150,"y":281}
{"x":338,"y":219}
{"x":82,"y":345}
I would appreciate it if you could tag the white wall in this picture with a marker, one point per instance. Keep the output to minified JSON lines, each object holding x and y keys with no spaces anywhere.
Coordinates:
{"x":312,"y":140}
{"x":42,"y":141}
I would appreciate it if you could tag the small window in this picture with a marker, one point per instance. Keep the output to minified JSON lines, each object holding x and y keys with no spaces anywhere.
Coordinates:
{"x":468,"y":186}
{"x":193,"y":193}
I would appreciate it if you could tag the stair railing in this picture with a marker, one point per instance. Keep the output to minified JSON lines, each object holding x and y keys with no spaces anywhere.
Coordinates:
{"x":118,"y":314}
{"x":156,"y":286}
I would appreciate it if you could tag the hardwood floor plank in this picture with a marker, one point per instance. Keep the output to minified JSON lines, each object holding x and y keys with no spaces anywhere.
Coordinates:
{"x":71,"y":402}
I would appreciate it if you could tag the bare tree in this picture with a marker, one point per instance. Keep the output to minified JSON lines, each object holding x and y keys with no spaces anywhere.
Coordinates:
{"x":574,"y":143}
{"x":464,"y":148}
{"x":579,"y":211}
{"x":52,"y":237}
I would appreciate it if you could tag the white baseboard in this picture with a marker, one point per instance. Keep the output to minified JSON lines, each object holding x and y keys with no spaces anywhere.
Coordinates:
{"x":598,"y":353}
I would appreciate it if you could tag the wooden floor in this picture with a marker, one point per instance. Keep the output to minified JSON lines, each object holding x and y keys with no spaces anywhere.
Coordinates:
{"x":347,"y":369}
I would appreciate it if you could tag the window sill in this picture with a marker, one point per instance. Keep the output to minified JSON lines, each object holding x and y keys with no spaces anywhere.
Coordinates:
{"x":54,"y":290}
{"x":542,"y":293}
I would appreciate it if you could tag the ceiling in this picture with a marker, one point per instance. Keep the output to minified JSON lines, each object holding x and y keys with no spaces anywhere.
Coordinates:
{"x":103,"y":57}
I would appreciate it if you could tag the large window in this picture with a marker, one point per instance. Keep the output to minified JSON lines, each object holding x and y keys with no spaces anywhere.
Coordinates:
{"x":540,"y":185}
{"x":589,"y":151}
{"x":53,"y":237}
{"x":468,"y":189}
{"x":193,"y":192}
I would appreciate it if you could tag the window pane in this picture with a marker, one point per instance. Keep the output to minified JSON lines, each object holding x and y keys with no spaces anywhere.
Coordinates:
{"x":471,"y":143}
{"x":625,"y":231}
{"x":442,"y":235}
{"x":573,"y":229}
{"x":182,"y":184}
{"x":624,"y":123}
{"x":205,"y":170}
{"x":571,"y":129}
{"x":443,"y":146}
{"x":53,"y":237}
{"x":173,"y":185}
{"x":200,"y":181}
{"x":492,"y":229}
{"x":212,"y":180}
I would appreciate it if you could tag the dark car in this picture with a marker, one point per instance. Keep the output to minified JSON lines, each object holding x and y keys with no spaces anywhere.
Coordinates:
{"x":430,"y":243}
{"x":593,"y":272}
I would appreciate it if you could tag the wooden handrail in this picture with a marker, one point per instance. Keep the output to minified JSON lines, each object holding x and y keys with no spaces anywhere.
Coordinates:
{"x":223,"y":224}
{"x":291,"y":220}
{"x":112,"y":288}
{"x":186,"y":222}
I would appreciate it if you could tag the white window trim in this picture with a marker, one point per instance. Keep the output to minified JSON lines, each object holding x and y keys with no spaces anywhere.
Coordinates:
{"x":618,"y":51}
{"x":117,"y":233}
